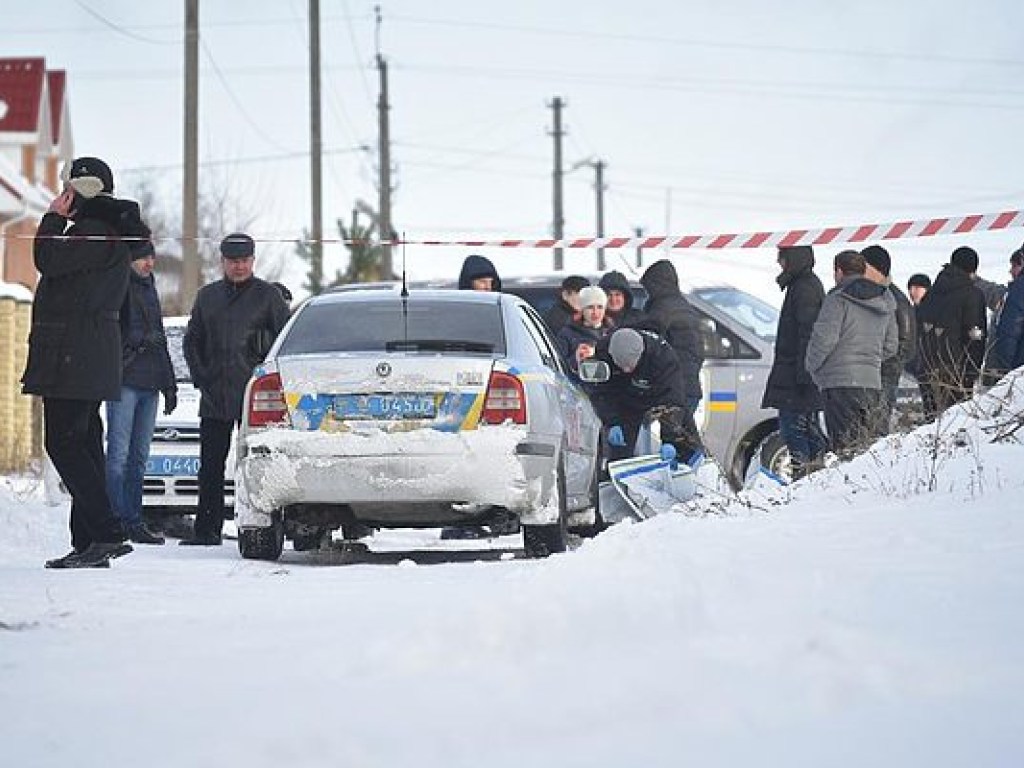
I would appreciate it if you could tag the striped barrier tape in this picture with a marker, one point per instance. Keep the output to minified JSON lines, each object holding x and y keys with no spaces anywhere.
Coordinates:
{"x":899,"y":230}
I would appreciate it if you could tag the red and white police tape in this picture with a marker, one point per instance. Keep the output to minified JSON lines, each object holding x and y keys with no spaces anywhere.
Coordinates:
{"x":899,"y":230}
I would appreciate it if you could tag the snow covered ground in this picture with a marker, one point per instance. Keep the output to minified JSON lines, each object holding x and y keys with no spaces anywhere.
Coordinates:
{"x":868,"y":616}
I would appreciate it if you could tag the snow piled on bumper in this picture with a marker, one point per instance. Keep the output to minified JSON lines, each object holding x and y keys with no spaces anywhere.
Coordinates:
{"x":283,"y":467}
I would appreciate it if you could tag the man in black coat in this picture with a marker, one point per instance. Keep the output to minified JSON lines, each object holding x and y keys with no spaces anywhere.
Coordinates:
{"x":670,"y":315}
{"x":74,"y":357}
{"x":567,"y":308}
{"x":879,"y":265}
{"x":478,"y":274}
{"x":620,"y":299}
{"x":234,"y":321}
{"x":790,"y":388}
{"x":952,"y":332}
{"x":646,"y":383}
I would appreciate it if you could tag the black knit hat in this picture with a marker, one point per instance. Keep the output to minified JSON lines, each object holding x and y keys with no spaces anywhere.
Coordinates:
{"x":966,"y":258}
{"x":921,"y":280}
{"x":142,"y":249}
{"x":877,"y":257}
{"x":237,"y":245}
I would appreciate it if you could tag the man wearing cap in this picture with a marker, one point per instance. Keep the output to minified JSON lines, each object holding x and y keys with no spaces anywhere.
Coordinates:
{"x":952,"y":334}
{"x":74,"y":356}
{"x":646,"y":383}
{"x":233,"y":323}
{"x":879,"y":264}
{"x":146,"y":374}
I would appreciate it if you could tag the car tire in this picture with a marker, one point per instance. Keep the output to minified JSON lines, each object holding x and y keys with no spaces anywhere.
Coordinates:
{"x":543,"y":540}
{"x":773,"y":455}
{"x":262,"y":543}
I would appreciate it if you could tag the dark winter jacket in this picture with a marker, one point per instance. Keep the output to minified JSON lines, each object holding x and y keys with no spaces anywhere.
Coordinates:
{"x":629,"y":315}
{"x":575,"y":333}
{"x":477,"y":266}
{"x":231,"y":328}
{"x":560,"y":315}
{"x":670,"y":315}
{"x":1008,"y":351}
{"x":75,"y":342}
{"x":789,"y":384}
{"x":855,"y":331}
{"x":147,"y":363}
{"x":656,"y":381}
{"x":952,"y":329}
{"x":906,"y":333}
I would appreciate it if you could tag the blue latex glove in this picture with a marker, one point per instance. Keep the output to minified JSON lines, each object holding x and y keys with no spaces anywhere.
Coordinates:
{"x":616,"y":438}
{"x":668,"y":454}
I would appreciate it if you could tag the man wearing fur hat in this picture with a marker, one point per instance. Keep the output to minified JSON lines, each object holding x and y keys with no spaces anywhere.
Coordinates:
{"x":147,"y":373}
{"x":234,"y":321}
{"x":74,"y":361}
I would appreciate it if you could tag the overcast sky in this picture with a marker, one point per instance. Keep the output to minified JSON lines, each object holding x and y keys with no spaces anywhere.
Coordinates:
{"x":712,"y":117}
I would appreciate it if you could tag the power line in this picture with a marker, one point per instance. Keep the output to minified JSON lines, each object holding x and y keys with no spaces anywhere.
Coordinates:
{"x":124,"y":30}
{"x":713,"y":45}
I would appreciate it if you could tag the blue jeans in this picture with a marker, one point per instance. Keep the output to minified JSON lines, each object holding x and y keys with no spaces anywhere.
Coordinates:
{"x":801,"y":432}
{"x":130,"y":423}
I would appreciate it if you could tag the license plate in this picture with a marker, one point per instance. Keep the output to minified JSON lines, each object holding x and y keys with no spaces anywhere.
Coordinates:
{"x":396,"y":406}
{"x":172,"y":465}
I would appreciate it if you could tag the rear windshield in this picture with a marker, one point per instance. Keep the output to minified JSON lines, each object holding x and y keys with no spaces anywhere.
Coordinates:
{"x":427,"y":326}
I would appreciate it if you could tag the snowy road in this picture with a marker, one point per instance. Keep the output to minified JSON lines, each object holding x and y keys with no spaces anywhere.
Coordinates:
{"x":859,"y":634}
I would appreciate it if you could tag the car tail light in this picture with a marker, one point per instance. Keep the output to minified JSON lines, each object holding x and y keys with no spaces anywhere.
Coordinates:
{"x":266,"y":401}
{"x":505,"y":400}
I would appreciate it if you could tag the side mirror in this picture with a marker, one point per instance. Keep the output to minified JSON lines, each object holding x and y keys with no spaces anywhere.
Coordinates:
{"x":594,"y":371}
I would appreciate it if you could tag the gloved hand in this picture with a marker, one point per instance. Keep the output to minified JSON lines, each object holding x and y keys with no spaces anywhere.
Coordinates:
{"x":170,"y":401}
{"x":616,"y":438}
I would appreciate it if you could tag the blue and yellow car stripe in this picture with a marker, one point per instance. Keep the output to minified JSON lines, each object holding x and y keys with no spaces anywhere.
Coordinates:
{"x":722,"y":402}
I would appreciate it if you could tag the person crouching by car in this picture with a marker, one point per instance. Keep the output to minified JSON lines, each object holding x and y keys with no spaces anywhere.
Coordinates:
{"x":146,"y":374}
{"x":234,"y":321}
{"x":578,"y":339}
{"x":646,"y":383}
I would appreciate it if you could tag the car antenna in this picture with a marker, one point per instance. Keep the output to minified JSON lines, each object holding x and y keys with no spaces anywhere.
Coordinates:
{"x":405,"y":284}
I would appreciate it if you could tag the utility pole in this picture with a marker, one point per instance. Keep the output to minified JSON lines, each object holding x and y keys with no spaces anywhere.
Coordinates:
{"x":316,"y":262}
{"x":639,"y":231}
{"x":599,"y":166}
{"x":558,"y":224}
{"x":190,"y":186}
{"x":384,"y":141}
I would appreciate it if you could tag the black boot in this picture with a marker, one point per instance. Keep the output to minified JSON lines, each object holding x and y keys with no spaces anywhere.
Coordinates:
{"x":140,"y":534}
{"x":201,"y":540}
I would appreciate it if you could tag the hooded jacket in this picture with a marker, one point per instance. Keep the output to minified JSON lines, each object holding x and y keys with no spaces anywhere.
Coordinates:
{"x":1009,"y":344}
{"x":616,"y":281}
{"x":75,"y":343}
{"x":477,"y":266}
{"x":670,"y":315}
{"x":789,"y":384}
{"x":656,"y":381}
{"x":952,"y":328}
{"x":855,"y":331}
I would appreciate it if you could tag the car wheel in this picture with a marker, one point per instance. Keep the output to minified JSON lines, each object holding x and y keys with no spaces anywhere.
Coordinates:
{"x":773,"y":455}
{"x":262,"y":543}
{"x":544,"y":540}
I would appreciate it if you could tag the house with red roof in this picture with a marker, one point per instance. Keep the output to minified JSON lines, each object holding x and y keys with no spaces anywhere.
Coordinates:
{"x":35,"y":142}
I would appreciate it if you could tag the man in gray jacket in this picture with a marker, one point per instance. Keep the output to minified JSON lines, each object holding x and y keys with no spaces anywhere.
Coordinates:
{"x":854,"y":333}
